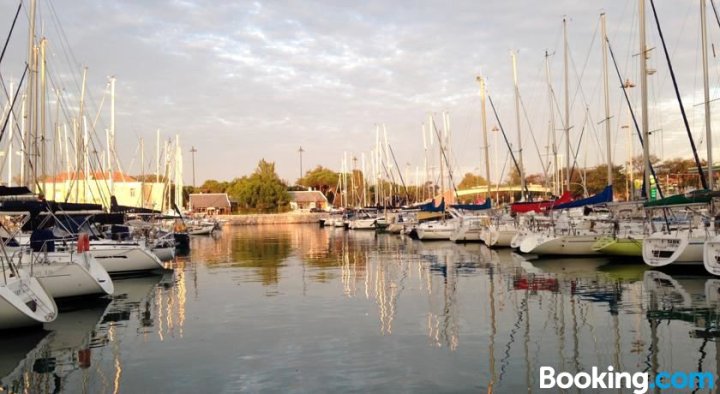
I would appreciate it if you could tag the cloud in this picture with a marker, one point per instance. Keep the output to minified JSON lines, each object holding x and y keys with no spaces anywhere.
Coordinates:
{"x":243,"y":81}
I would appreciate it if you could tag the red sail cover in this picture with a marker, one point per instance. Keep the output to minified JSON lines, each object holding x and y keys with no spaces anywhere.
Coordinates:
{"x":539,"y":206}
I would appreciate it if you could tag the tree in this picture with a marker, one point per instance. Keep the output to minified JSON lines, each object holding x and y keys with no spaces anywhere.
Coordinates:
{"x":263,"y":191}
{"x":320,"y":178}
{"x":471,"y":180}
{"x":596,"y":180}
{"x":213,"y":186}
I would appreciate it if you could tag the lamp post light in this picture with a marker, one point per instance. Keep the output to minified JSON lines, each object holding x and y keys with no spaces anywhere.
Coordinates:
{"x":192,"y":151}
{"x":300,"y":151}
{"x":495,"y":131}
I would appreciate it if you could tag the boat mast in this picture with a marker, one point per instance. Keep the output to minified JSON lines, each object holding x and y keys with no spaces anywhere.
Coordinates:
{"x":425,"y":159}
{"x":364,"y":184}
{"x":79,"y":146}
{"x":10,"y":138}
{"x":643,"y":98}
{"x":519,"y":133}
{"x":706,"y":89}
{"x":178,"y":173}
{"x":32,"y":68}
{"x":23,"y":133}
{"x":553,"y":142}
{"x":41,"y":152}
{"x":442,"y":169}
{"x":142,"y":173}
{"x":157,"y":156}
{"x":486,"y":147}
{"x":568,"y":172}
{"x":607,"y":100}
{"x":111,"y":139}
{"x":377,"y":164}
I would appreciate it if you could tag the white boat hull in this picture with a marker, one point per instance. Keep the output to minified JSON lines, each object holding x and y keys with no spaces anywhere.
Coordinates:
{"x":164,"y":254}
{"x":205,"y":229}
{"x":363,"y":224}
{"x":66,"y":275}
{"x":434,"y":231}
{"x":499,"y":238}
{"x":466,"y":235}
{"x":563,"y":245}
{"x":123,"y":258}
{"x":711,"y":255}
{"x":24,"y":303}
{"x":662,"y":249}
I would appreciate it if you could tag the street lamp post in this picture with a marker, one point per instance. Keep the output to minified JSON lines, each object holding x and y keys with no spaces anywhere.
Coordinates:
{"x":301,"y":150}
{"x":193,"y":150}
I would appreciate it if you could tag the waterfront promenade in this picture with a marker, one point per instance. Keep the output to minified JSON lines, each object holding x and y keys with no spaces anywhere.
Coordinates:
{"x":294,"y":217}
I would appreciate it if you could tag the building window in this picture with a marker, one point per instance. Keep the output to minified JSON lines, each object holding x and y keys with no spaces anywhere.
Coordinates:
{"x":132,"y":192}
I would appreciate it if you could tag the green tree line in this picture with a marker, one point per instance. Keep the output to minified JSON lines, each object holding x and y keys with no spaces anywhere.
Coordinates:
{"x":263,"y":190}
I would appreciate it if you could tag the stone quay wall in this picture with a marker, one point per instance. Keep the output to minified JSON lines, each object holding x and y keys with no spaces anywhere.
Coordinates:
{"x":272,"y":218}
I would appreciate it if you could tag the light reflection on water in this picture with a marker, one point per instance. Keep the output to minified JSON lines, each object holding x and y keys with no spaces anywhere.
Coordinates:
{"x":297,"y":308}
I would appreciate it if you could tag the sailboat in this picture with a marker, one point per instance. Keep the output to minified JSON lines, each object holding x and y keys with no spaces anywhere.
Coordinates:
{"x":628,"y":220}
{"x":570,"y":235}
{"x":711,"y":252}
{"x":679,"y":242}
{"x":24,"y":301}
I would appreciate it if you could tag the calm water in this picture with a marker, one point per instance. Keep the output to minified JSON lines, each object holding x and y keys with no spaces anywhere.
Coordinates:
{"x":302,"y":309}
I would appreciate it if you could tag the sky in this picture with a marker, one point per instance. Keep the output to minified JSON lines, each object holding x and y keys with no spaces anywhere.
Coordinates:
{"x":242,"y":81}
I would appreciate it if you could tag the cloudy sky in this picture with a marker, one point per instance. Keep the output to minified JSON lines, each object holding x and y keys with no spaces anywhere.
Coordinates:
{"x":242,"y":80}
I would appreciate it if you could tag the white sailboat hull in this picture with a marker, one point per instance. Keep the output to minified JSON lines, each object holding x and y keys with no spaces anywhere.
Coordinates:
{"x":205,"y":229}
{"x":563,"y":245}
{"x":66,"y":275}
{"x":465,"y":234}
{"x":24,"y":303}
{"x":165,"y":253}
{"x":124,"y":258}
{"x":499,"y":237}
{"x":364,"y":224}
{"x":711,"y":255}
{"x":435,"y":231}
{"x":660,"y":249}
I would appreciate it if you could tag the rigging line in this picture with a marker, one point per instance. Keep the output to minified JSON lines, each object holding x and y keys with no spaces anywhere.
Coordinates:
{"x":715,"y":12}
{"x":12,"y":28}
{"x":632,"y":113}
{"x":407,"y":195}
{"x":512,"y":155}
{"x":65,"y":45}
{"x":575,"y":155}
{"x":579,"y":89}
{"x":63,"y":101}
{"x":679,"y":99}
{"x":17,"y":92}
{"x":532,"y":134}
{"x":447,"y":162}
{"x":585,"y":101}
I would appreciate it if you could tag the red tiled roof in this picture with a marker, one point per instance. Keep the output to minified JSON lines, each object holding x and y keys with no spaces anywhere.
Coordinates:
{"x":209,"y":200}
{"x":308,"y":196}
{"x":117,"y":176}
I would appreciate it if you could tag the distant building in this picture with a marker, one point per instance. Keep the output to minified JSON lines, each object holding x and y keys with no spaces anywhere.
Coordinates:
{"x":210,"y":203}
{"x":98,"y":186}
{"x":308,"y":200}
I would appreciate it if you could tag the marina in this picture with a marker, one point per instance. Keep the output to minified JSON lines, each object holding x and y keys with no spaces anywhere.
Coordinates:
{"x":485,"y":209}
{"x":327,"y":309}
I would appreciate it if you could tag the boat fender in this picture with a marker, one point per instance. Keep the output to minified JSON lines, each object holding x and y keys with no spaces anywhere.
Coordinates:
{"x":83,"y":244}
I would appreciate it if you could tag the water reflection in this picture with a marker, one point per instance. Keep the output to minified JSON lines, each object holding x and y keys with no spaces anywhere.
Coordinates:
{"x":297,"y":308}
{"x":82,"y":350}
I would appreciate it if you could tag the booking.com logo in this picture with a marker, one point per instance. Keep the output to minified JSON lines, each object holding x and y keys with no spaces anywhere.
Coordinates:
{"x":639,"y":381}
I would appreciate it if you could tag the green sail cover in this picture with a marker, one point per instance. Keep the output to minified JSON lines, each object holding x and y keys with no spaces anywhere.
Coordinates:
{"x":696,"y":197}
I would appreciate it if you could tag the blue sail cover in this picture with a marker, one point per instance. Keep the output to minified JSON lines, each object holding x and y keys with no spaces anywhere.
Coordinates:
{"x":430,"y":207}
{"x":604,"y":196}
{"x":474,"y":207}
